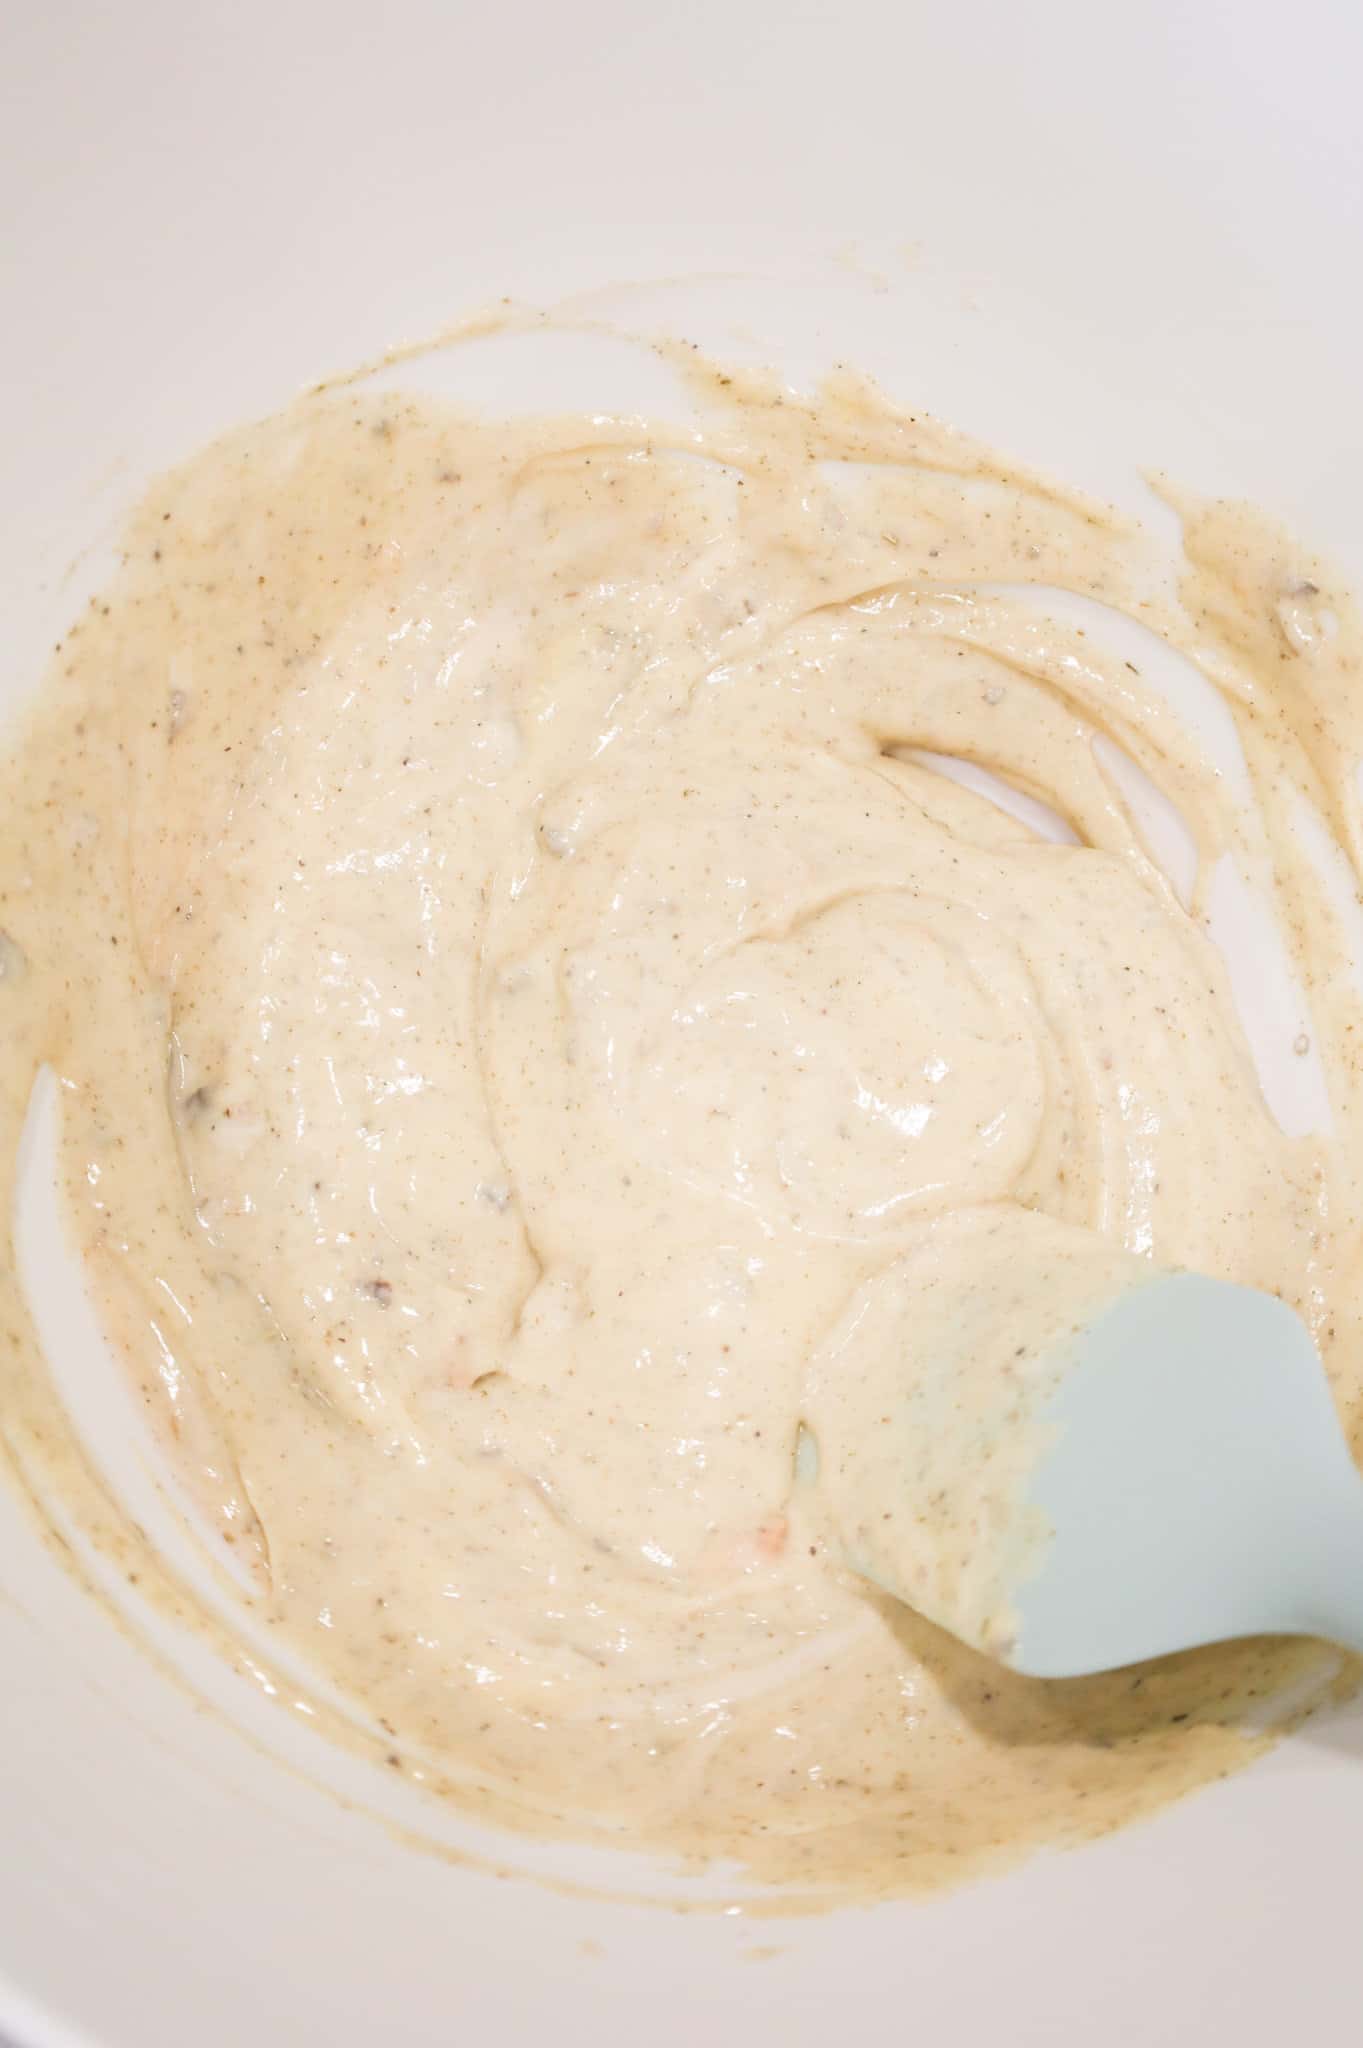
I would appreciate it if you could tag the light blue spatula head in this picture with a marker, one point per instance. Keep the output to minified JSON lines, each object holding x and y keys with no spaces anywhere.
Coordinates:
{"x":1198,"y":1486}
{"x":1180,"y":1477}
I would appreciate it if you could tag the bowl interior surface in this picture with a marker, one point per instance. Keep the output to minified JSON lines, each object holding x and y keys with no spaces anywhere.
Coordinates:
{"x":1105,"y":241}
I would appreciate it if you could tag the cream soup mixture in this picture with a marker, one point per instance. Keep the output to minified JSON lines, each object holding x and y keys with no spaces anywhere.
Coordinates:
{"x":518,"y":972}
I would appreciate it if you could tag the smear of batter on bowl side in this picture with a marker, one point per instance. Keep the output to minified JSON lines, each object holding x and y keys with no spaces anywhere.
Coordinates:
{"x":518,"y":973}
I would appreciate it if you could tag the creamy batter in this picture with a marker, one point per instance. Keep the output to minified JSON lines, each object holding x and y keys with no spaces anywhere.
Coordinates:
{"x":521,"y":981}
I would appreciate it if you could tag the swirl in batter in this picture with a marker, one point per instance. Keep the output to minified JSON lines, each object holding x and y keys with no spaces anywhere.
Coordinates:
{"x":520,"y":971}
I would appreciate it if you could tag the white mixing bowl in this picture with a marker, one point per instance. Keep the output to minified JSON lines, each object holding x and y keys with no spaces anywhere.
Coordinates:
{"x":1102,"y":238}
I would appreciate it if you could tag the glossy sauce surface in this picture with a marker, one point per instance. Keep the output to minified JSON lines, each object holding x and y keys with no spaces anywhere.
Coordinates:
{"x":522,"y":982}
